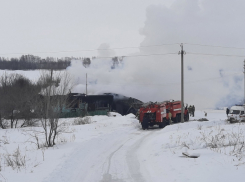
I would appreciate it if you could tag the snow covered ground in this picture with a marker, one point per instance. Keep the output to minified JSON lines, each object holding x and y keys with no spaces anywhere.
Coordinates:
{"x":117,"y":149}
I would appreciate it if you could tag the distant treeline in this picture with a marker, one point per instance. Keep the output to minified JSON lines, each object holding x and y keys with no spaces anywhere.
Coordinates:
{"x":30,"y":62}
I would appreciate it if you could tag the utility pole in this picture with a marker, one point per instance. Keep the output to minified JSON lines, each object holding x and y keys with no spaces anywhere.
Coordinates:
{"x":86,"y":85}
{"x":182,"y":52}
{"x":244,"y":83}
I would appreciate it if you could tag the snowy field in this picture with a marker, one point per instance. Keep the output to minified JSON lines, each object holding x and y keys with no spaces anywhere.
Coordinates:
{"x":117,"y":149}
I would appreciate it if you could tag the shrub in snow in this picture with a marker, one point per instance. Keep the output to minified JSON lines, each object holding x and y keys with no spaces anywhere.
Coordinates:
{"x":185,"y":146}
{"x":30,"y":122}
{"x":4,"y":140}
{"x":226,"y":141}
{"x":4,"y":123}
{"x":35,"y":138}
{"x":199,"y":127}
{"x":82,"y":121}
{"x":15,"y":160}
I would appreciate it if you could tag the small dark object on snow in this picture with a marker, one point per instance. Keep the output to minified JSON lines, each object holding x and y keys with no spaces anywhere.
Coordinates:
{"x":191,"y":155}
{"x":202,"y":119}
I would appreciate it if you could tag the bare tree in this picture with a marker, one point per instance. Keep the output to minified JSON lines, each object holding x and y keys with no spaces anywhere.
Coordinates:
{"x":54,"y":94}
{"x":86,"y":62}
{"x":17,"y":93}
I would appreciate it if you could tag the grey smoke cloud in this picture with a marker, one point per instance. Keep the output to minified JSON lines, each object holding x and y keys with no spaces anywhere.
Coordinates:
{"x":105,"y":51}
{"x":210,"y":81}
{"x":201,"y":22}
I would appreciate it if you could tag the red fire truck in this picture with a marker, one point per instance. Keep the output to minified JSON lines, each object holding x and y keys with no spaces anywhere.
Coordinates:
{"x":158,"y":113}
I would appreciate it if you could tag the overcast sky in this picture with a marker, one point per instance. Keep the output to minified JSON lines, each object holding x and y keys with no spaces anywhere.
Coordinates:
{"x":30,"y":26}
{"x":210,"y":81}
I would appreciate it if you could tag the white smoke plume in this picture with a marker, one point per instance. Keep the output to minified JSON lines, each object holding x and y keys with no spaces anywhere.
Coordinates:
{"x":210,"y":81}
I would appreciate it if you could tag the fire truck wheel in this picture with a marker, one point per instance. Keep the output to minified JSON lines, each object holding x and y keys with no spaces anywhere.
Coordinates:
{"x":144,"y":123}
{"x":164,"y":122}
{"x":178,"y":118}
{"x":161,"y":125}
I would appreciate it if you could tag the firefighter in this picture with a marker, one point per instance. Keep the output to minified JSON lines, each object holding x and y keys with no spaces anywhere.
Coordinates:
{"x":190,"y":110}
{"x":227,"y":111}
{"x":193,"y":110}
{"x":169,"y":117}
{"x":186,"y":118}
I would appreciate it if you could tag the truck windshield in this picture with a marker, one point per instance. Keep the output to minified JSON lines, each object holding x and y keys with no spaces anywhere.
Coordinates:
{"x":235,"y":112}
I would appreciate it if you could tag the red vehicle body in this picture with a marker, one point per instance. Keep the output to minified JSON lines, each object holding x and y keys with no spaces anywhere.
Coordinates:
{"x":158,"y":113}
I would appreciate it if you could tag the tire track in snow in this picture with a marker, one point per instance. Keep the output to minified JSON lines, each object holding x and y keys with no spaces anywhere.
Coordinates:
{"x":116,"y":149}
{"x":107,"y":177}
{"x":132,"y":159}
{"x":128,"y":149}
{"x":85,"y":163}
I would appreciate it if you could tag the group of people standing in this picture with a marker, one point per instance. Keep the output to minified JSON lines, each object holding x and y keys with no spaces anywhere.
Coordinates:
{"x":191,"y":110}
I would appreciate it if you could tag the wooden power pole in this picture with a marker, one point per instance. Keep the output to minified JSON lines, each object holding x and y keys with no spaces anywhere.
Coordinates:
{"x":182,"y":52}
{"x":86,"y":85}
{"x":244,"y":82}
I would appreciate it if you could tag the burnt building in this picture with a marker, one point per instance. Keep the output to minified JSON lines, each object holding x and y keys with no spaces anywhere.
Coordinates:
{"x":81,"y":104}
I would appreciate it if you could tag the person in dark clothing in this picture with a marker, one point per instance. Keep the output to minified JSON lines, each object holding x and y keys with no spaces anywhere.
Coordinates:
{"x":186,"y":114}
{"x":193,"y":110}
{"x":190,"y":110}
{"x":227,"y":111}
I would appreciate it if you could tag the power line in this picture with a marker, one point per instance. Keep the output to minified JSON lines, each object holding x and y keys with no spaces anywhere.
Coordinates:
{"x":167,"y":84}
{"x":214,"y":78}
{"x":89,"y":50}
{"x":223,"y":55}
{"x":147,"y":46}
{"x":218,"y":46}
{"x":142,"y":55}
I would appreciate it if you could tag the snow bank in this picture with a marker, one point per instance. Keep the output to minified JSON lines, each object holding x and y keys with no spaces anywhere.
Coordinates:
{"x":117,"y":149}
{"x":210,"y":140}
{"x":130,"y":115}
{"x":39,"y":163}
